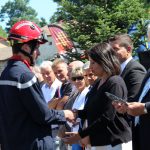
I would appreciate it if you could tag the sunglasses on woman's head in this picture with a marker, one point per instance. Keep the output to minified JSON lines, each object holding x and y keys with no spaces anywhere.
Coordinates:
{"x":77,"y":78}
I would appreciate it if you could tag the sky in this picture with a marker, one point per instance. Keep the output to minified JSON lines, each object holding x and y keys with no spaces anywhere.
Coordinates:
{"x":44,"y":8}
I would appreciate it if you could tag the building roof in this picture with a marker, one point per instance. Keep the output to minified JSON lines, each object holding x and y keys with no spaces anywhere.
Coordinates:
{"x":5,"y":49}
{"x":46,"y":30}
{"x":5,"y":53}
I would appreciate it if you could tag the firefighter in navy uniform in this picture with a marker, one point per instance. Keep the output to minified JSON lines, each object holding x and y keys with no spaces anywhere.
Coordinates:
{"x":25,"y":118}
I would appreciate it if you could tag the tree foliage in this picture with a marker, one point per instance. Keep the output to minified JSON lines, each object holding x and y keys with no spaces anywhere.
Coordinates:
{"x":3,"y":33}
{"x":17,"y":10}
{"x":93,"y":21}
{"x":43,"y":22}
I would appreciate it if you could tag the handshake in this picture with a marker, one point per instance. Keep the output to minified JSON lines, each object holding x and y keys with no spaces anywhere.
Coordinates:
{"x":71,"y":115}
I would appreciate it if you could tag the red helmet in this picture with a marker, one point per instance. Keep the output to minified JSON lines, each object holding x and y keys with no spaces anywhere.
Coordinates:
{"x":25,"y":31}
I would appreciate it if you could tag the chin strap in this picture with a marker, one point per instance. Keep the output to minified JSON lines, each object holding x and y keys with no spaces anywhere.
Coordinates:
{"x":32,"y":46}
{"x":28,"y":55}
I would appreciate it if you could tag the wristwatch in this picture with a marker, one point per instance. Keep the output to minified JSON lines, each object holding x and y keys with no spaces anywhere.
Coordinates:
{"x":75,"y":111}
{"x":145,"y":109}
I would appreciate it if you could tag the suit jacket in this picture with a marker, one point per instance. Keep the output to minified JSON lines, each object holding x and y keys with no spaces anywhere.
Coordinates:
{"x":105,"y":126}
{"x":142,"y":131}
{"x":133,"y":75}
{"x":71,"y":99}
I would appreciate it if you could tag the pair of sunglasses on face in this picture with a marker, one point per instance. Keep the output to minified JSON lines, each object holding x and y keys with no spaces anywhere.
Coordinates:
{"x":79,"y":78}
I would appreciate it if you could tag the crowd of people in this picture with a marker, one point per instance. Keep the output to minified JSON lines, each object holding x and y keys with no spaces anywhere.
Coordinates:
{"x":63,"y":106}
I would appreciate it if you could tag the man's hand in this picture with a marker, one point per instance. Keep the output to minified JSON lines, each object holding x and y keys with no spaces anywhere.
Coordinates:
{"x":60,"y":105}
{"x":136,"y":108}
{"x":70,"y":116}
{"x":62,"y":102}
{"x":53,"y":103}
{"x":133,"y":108}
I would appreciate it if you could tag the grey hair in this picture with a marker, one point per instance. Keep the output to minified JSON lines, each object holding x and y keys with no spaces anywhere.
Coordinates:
{"x":78,"y":71}
{"x":46,"y":64}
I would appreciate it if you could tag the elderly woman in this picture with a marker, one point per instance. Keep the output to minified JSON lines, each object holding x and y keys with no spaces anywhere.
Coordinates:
{"x":76,"y":101}
{"x":107,"y":129}
{"x":78,"y":79}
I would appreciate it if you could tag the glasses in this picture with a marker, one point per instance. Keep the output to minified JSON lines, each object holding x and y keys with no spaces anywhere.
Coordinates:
{"x":77,"y":78}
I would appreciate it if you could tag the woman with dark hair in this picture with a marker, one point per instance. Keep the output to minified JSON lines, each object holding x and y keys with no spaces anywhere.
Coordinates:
{"x":107,"y":129}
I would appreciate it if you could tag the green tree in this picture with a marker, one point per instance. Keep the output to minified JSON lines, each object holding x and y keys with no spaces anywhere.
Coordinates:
{"x":17,"y":10}
{"x":60,"y":15}
{"x":3,"y":33}
{"x":43,"y":22}
{"x":93,"y":21}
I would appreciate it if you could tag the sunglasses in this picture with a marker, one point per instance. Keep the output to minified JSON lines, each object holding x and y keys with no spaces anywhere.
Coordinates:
{"x":77,"y":78}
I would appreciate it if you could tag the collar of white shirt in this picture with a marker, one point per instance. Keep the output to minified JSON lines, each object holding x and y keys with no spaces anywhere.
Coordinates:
{"x":123,"y":65}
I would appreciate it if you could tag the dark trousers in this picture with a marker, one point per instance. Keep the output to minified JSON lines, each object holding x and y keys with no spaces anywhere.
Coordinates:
{"x":135,"y":138}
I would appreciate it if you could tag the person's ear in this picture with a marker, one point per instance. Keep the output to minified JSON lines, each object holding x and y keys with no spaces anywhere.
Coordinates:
{"x":25,"y":47}
{"x":129,"y":49}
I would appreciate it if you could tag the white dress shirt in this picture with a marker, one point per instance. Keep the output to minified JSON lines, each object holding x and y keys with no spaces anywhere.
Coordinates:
{"x":79,"y":105}
{"x":49,"y":91}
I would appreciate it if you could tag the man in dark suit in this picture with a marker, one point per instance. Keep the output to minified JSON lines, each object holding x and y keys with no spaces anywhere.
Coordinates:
{"x":131,"y":71}
{"x":141,"y":111}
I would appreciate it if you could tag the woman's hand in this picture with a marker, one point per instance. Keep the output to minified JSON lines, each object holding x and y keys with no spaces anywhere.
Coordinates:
{"x":120,"y":107}
{"x":71,"y":137}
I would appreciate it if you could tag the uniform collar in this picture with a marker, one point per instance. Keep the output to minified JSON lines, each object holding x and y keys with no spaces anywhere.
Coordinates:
{"x":17,"y":57}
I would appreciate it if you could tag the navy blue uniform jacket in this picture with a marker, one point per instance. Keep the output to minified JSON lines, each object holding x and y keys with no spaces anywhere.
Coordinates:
{"x":25,"y":118}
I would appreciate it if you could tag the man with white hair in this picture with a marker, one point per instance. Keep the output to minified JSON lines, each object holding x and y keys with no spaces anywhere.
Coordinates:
{"x":51,"y":82}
